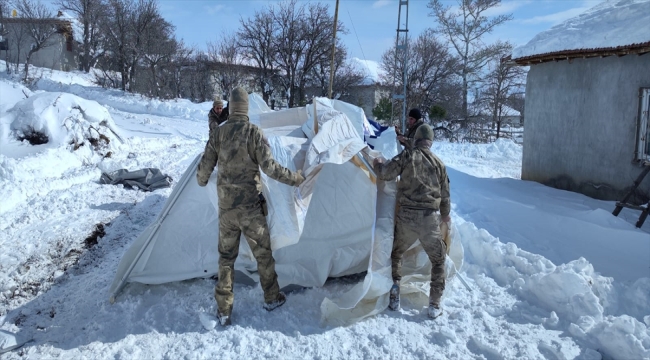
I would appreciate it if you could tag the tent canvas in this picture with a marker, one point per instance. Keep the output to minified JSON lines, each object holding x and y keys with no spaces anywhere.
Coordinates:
{"x":338,"y":222}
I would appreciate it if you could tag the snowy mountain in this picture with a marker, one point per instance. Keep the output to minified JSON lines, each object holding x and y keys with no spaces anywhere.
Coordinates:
{"x":552,"y":273}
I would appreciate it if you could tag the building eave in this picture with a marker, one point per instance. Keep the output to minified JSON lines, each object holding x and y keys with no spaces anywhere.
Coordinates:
{"x":638,"y":49}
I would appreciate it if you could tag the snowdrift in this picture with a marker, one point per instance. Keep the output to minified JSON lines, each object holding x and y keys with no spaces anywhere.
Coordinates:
{"x":61,"y":119}
{"x":338,"y":222}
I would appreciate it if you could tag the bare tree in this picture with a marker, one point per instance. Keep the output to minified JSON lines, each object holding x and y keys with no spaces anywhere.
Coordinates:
{"x":289,"y":43}
{"x":346,"y":75}
{"x":145,"y":20}
{"x":4,"y":9}
{"x":174,"y":70}
{"x":430,"y":70}
{"x":502,"y":81}
{"x":225,"y":56}
{"x":90,"y":14}
{"x":18,"y":34}
{"x":129,"y":26}
{"x":39,"y":24}
{"x":319,"y":26}
{"x":158,"y":47}
{"x":255,"y":39}
{"x":302,"y":41}
{"x":117,"y":31}
{"x":200,"y":86}
{"x":464,"y":26}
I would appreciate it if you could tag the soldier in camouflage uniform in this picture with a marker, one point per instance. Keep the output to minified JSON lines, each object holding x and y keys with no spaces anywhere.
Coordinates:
{"x":241,"y":150}
{"x":218,"y":114}
{"x":422,"y":190}
{"x":414,"y":121}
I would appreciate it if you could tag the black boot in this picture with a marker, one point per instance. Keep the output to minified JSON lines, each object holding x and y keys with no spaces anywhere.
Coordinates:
{"x":394,"y":298}
{"x":276,"y":303}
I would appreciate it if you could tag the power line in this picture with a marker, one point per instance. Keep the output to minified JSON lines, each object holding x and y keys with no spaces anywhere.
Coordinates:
{"x":360,"y":47}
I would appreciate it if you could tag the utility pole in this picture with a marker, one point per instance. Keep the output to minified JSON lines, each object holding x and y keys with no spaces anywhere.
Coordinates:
{"x":401,"y":52}
{"x":332,"y":65}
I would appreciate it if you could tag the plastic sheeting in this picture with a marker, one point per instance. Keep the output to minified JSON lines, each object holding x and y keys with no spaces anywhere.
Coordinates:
{"x":8,"y":341}
{"x":321,"y":230}
{"x":148,"y":179}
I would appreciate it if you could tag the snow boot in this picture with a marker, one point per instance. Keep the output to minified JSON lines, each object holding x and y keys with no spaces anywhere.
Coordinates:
{"x":394,"y":298}
{"x":270,"y":306}
{"x":434,"y":311}
{"x":224,"y":320}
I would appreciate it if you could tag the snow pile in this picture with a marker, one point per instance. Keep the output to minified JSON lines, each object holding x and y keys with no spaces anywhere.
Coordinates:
{"x":132,"y":103}
{"x":610,"y":24}
{"x":11,"y":93}
{"x":61,"y":119}
{"x":468,"y":157}
{"x":573,"y":294}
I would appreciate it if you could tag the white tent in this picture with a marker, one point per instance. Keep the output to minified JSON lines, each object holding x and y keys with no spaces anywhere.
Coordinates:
{"x":339,"y":222}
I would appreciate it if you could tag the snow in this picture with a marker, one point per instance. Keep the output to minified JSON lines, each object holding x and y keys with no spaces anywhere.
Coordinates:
{"x":371,"y":70}
{"x":485,"y":109}
{"x":609,"y":24}
{"x":77,"y":26}
{"x":552,"y":273}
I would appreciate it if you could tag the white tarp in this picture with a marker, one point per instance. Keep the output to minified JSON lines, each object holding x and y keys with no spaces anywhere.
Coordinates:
{"x":339,"y":222}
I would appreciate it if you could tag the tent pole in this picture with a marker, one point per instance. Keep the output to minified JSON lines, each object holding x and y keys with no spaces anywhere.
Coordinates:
{"x":332,"y":65}
{"x":367,"y":164}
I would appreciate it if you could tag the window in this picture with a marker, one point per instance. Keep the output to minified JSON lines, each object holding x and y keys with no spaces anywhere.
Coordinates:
{"x":643,"y":126}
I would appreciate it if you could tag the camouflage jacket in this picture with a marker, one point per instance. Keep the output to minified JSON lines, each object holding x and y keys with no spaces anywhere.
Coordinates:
{"x":423,"y":184}
{"x":410,"y":135}
{"x":240,"y":149}
{"x":215,"y":120}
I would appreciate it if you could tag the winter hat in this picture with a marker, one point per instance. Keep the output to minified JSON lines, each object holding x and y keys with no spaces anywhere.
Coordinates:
{"x":238,"y":103}
{"x":217,"y":102}
{"x":415,"y":113}
{"x":424,"y":132}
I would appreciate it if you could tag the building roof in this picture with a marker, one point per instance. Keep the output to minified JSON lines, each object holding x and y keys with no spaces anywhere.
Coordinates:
{"x":63,"y":25}
{"x":613,"y":27}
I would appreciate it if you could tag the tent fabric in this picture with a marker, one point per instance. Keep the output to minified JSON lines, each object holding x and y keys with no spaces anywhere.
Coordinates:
{"x":338,"y":222}
{"x":148,"y":179}
{"x":303,"y":224}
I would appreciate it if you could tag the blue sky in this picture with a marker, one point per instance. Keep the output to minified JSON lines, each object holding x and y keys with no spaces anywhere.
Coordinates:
{"x":371,"y":24}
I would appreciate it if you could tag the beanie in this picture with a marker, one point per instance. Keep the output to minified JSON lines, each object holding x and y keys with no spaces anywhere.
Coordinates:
{"x":238,"y":103}
{"x":423,"y":132}
{"x":415,"y":113}
{"x":217,"y":102}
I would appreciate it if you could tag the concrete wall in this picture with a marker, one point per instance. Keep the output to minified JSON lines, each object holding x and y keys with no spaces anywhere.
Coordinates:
{"x":581,"y":125}
{"x":55,"y":56}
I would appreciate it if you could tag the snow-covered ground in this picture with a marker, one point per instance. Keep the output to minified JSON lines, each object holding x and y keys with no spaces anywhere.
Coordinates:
{"x":553,"y":274}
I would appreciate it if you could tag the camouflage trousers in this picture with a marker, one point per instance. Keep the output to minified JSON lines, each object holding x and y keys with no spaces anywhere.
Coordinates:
{"x":413,"y":224}
{"x":250,"y":222}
